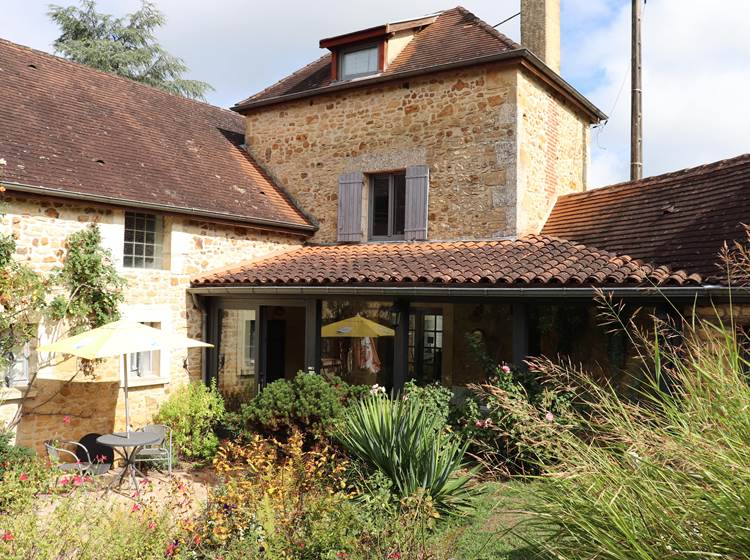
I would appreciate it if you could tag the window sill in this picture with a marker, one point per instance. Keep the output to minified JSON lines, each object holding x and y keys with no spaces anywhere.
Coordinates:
{"x":147,"y":381}
{"x":13,"y":394}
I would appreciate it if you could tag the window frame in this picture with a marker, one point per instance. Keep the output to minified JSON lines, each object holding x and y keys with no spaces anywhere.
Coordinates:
{"x":158,"y":243}
{"x":133,"y":360}
{"x":391,"y":207}
{"x":23,"y":357}
{"x":247,"y":365}
{"x":341,"y":55}
{"x":417,"y":345}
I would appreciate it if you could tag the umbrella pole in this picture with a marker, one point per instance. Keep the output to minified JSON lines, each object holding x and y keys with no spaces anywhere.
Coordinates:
{"x":123,"y":365}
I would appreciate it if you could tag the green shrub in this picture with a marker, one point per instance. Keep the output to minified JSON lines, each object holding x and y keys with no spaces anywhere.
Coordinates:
{"x":411,"y":447}
{"x":10,"y":454}
{"x":434,"y":398}
{"x":192,"y":412}
{"x":663,"y":475}
{"x":498,"y":432}
{"x":310,"y":403}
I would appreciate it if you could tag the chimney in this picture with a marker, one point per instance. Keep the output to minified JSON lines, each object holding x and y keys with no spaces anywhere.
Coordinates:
{"x":540,"y":30}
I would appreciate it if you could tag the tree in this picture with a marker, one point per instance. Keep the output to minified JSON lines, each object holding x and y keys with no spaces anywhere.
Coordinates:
{"x":125,"y":46}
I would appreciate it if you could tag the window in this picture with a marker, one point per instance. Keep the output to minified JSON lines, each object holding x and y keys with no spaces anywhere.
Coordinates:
{"x":145,"y":364}
{"x":426,"y":345}
{"x":359,"y":62}
{"x":387,"y":206}
{"x":247,"y":346}
{"x":144,"y":234}
{"x":17,"y":372}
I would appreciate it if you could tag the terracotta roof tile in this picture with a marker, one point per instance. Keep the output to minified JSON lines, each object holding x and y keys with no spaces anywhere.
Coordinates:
{"x":68,"y":127}
{"x":533,"y":260}
{"x":679,"y":219}
{"x":455,"y":36}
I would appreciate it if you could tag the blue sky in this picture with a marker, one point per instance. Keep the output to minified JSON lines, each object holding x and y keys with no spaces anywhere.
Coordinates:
{"x":696,"y":60}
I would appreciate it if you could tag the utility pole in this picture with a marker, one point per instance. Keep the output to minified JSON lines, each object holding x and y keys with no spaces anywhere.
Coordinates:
{"x":636,"y":111}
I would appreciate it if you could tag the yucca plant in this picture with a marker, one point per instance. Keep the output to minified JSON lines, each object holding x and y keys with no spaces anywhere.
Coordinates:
{"x":409,"y":446}
{"x":664,"y":473}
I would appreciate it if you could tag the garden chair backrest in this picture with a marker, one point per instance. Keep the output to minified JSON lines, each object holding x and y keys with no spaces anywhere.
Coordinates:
{"x":158,"y":429}
{"x":58,"y":454}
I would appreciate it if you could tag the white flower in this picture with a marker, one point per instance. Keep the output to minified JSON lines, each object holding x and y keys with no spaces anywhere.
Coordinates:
{"x":377,"y":389}
{"x":3,"y":162}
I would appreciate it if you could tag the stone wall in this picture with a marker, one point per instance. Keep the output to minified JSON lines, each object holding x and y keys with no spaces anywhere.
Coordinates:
{"x":41,"y":226}
{"x":553,"y":146}
{"x":494,"y":140}
{"x":461,"y":123}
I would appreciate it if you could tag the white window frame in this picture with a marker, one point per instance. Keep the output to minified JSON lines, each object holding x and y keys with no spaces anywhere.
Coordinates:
{"x":23,"y":357}
{"x":157,"y":246}
{"x":247,"y":364}
{"x":149,"y":314}
{"x":353,"y":50}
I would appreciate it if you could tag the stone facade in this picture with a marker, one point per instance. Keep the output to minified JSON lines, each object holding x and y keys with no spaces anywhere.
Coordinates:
{"x":191,"y":246}
{"x":476,"y":128}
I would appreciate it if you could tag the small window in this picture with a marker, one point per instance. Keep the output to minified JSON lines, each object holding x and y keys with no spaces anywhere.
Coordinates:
{"x":359,"y":62}
{"x":387,"y":206}
{"x":144,"y":238}
{"x":145,"y":364}
{"x":247,"y":345}
{"x":17,"y":370}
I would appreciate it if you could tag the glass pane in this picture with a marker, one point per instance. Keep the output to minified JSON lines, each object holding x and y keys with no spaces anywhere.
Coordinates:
{"x":399,"y":204}
{"x":359,"y":63}
{"x":380,"y":206}
{"x":429,"y":322}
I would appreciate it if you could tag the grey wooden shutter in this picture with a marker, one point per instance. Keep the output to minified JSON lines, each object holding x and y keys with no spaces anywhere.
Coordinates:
{"x":417,"y":192}
{"x":350,"y":206}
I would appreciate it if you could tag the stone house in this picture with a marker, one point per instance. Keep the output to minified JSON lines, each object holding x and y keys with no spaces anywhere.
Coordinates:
{"x":427,"y":174}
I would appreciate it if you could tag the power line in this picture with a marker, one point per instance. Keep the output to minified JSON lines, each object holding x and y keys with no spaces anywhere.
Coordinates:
{"x":506,"y":20}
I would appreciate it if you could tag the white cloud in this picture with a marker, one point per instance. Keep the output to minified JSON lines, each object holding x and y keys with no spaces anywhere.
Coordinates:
{"x":695,"y":80}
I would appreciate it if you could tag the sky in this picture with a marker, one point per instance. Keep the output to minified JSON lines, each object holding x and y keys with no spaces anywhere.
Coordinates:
{"x":696,"y":60}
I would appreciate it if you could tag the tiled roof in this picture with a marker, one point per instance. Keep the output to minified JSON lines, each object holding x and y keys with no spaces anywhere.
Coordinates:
{"x":531,"y":261}
{"x":79,"y":131}
{"x":679,"y":219}
{"x":456,"y":35}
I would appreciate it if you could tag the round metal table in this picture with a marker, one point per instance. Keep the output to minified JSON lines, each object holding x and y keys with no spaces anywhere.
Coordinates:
{"x":127,"y":446}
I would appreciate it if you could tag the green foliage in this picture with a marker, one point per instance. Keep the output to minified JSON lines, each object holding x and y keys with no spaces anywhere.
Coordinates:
{"x":664,"y":475}
{"x":310,"y":403}
{"x":192,"y":412}
{"x":495,"y":415}
{"x":93,"y":288}
{"x":22,"y":301}
{"x":411,"y":447}
{"x":10,"y":454}
{"x":124,"y":46}
{"x":434,"y":398}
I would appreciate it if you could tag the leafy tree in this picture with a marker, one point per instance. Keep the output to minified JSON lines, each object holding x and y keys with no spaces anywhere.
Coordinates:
{"x":124,"y":46}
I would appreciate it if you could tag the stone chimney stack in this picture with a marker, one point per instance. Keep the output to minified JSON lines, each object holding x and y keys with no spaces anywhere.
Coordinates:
{"x":540,"y":30}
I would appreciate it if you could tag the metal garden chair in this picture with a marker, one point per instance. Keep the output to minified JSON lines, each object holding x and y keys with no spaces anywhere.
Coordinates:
{"x":61,"y":457}
{"x":159,"y":452}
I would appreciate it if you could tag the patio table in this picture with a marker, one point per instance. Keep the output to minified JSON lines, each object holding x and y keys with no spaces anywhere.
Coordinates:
{"x":127,"y":446}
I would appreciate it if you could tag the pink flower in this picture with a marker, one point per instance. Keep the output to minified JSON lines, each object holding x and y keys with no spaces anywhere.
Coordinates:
{"x":549,"y":417}
{"x":152,"y":525}
{"x":171,"y":549}
{"x":505,"y":368}
{"x":66,"y":419}
{"x":7,"y":536}
{"x":24,"y":477}
{"x":394,"y":555}
{"x":479,"y":424}
{"x":136,"y":507}
{"x":196,"y":539}
{"x":64,"y":480}
{"x":77,"y":480}
{"x":100,"y":458}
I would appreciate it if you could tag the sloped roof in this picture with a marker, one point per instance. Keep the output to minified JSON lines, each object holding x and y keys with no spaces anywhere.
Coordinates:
{"x":456,"y":37}
{"x":531,"y":261}
{"x":75,"y":131}
{"x":679,"y":219}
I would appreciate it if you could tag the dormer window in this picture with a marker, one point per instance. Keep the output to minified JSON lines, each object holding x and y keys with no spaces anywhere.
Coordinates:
{"x":359,"y":61}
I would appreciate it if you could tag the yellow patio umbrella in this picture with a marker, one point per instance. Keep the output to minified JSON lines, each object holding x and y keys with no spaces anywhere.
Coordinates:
{"x":356,"y":327}
{"x":120,"y":338}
